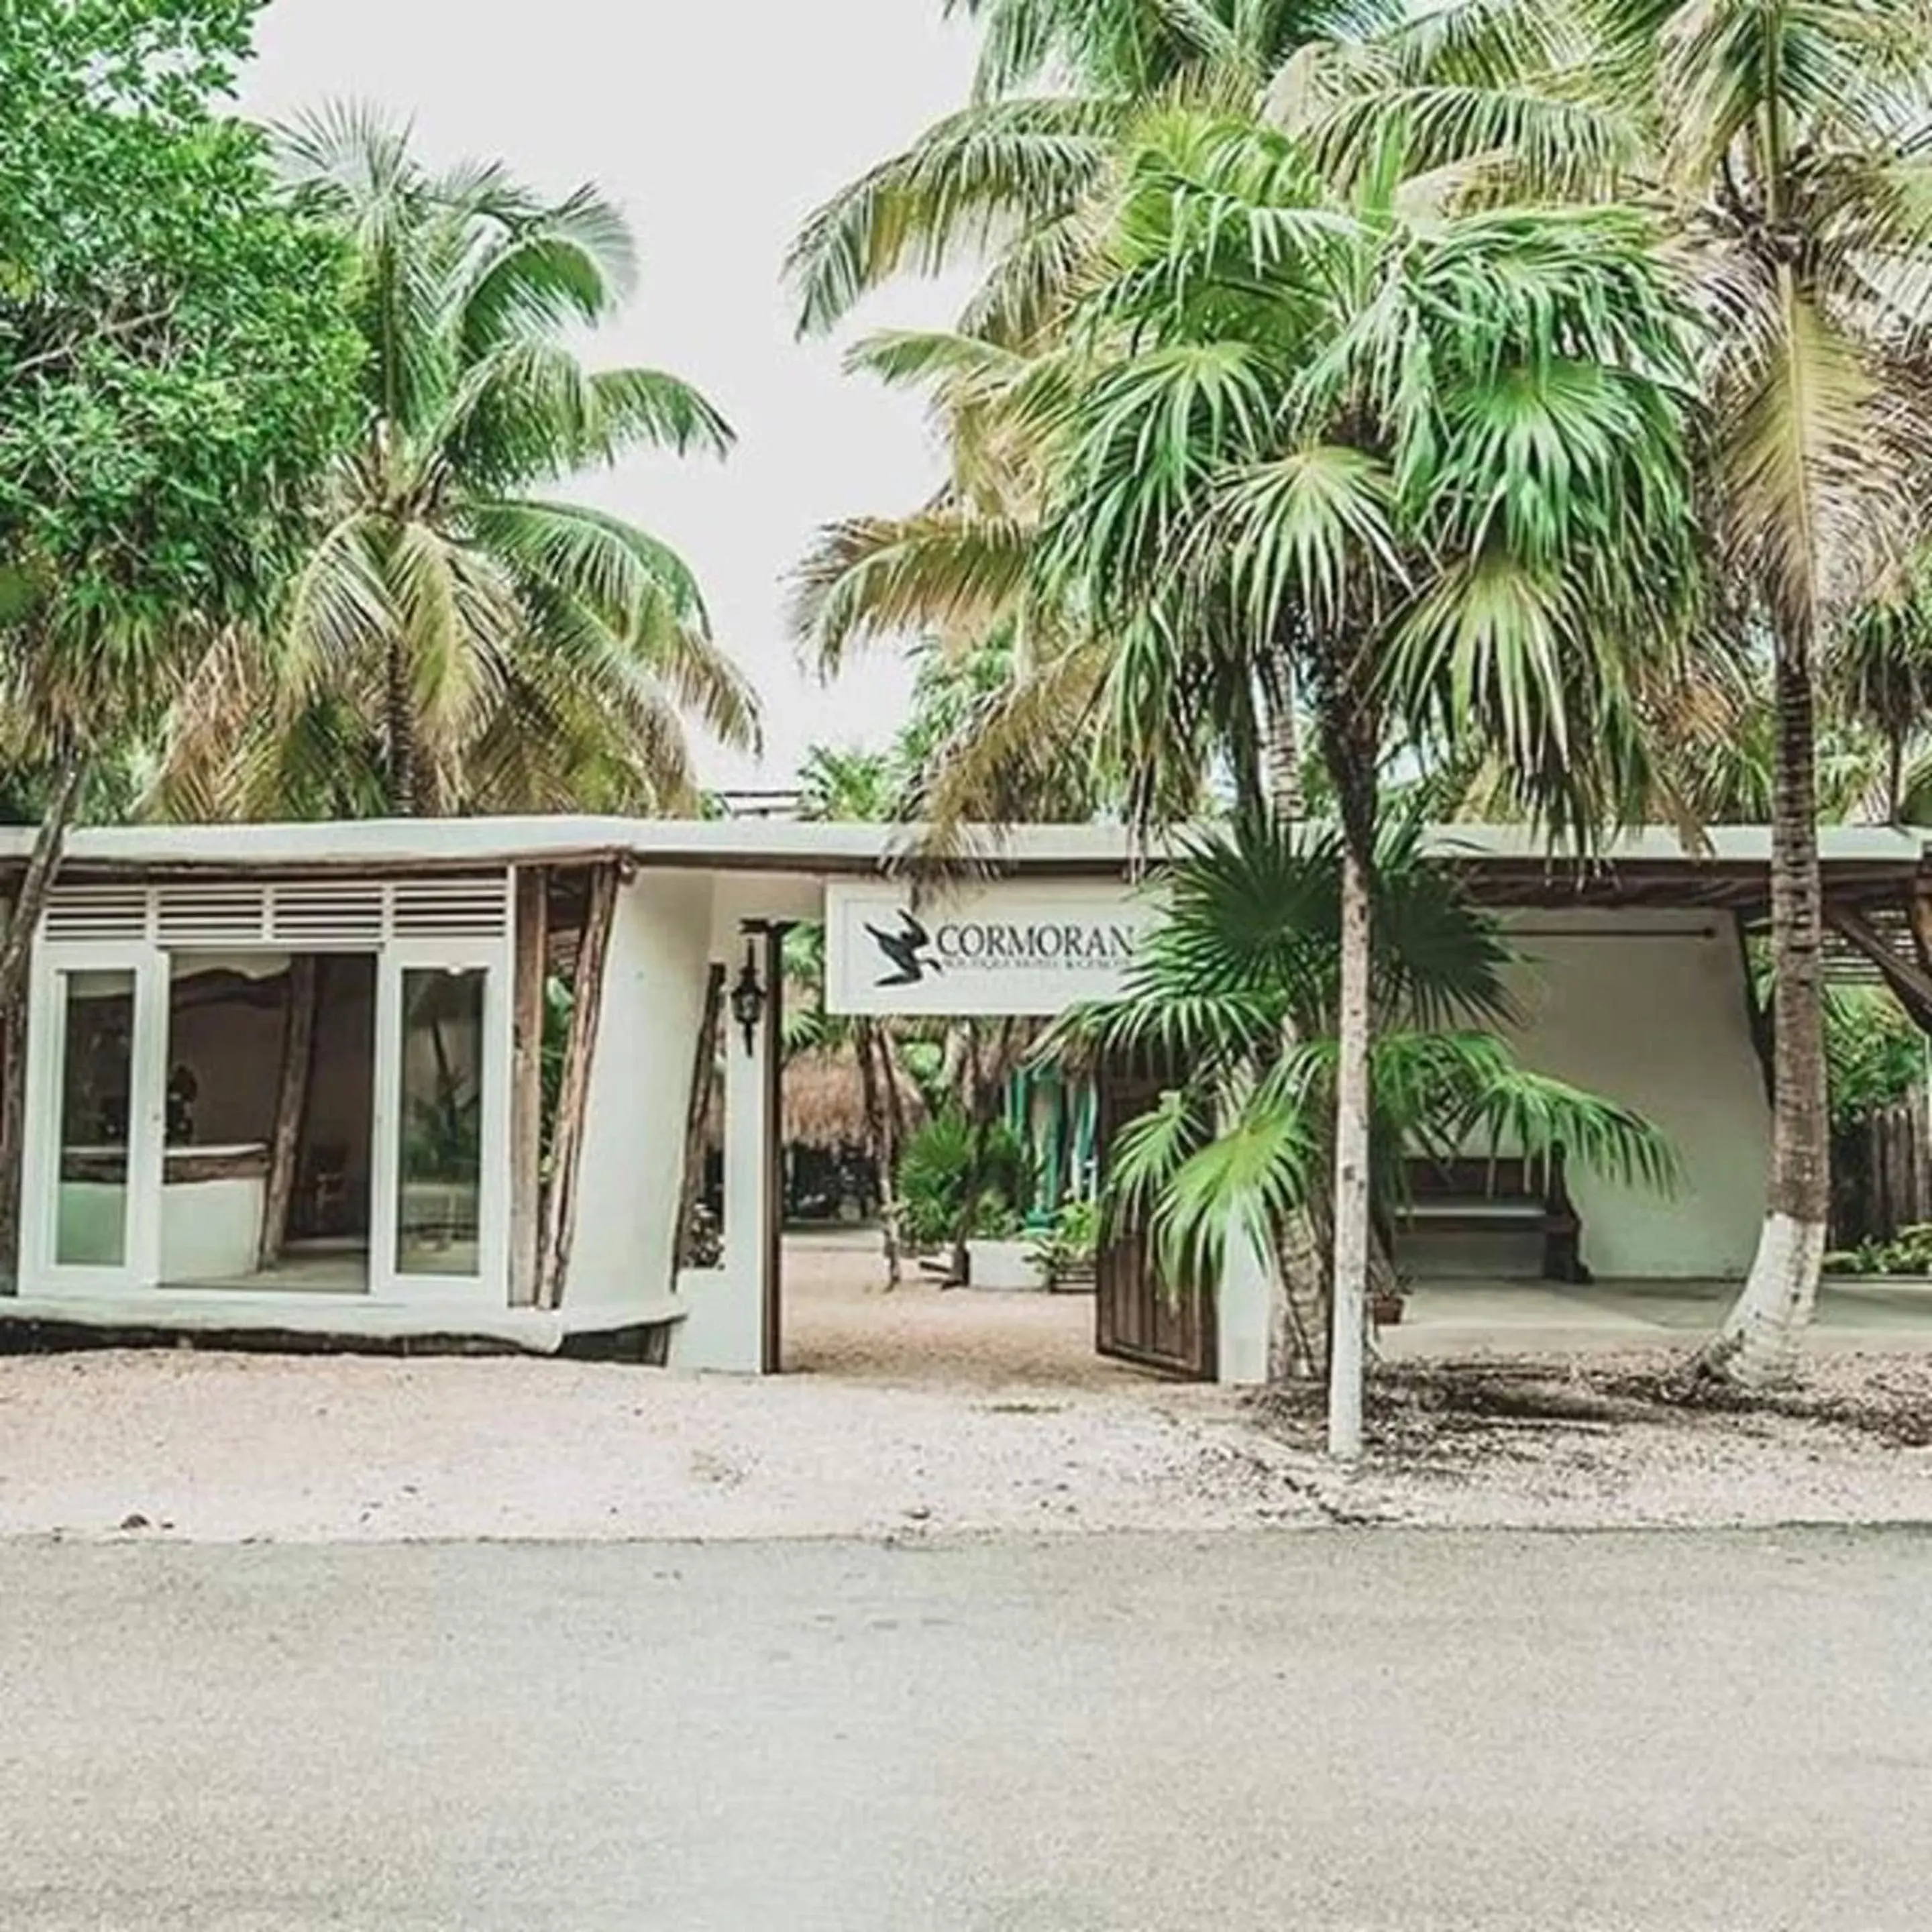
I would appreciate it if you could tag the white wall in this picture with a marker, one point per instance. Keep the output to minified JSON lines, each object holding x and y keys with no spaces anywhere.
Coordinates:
{"x":633,"y":1155}
{"x":1647,"y":1007}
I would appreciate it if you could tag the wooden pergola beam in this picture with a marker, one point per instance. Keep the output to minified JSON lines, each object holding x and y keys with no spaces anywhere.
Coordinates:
{"x":1910,"y":984}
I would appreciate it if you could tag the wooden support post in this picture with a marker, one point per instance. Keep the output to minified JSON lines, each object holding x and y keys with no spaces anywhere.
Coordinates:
{"x":560,"y":1216}
{"x":529,"y":969}
{"x":298,"y":1019}
{"x":698,"y":1111}
{"x":773,"y":1349}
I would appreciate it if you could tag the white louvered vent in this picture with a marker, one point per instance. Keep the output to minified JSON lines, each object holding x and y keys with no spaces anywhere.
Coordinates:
{"x":210,"y":915}
{"x":451,"y":908}
{"x":315,"y":912}
{"x":98,"y":913}
{"x":292,"y":913}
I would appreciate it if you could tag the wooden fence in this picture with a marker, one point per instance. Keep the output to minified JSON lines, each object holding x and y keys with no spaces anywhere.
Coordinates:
{"x":1882,"y":1173}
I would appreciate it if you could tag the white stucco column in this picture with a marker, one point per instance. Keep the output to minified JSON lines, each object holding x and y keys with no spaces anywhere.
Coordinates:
{"x":1241,"y":1317}
{"x":724,"y":1328}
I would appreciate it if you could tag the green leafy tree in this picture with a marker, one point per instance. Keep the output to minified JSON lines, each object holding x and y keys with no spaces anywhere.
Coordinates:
{"x":458,"y":638}
{"x":176,"y":360}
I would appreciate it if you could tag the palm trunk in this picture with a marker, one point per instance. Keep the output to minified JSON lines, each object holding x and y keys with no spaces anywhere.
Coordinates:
{"x":1286,"y":793}
{"x":1758,"y":1345}
{"x":1298,"y":1308}
{"x":875,"y":1081}
{"x":1349,"y":1293}
{"x":892,"y":1205}
{"x":399,"y":726}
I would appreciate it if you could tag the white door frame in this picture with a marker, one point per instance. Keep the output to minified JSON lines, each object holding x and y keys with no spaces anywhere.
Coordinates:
{"x":41,"y":1272}
{"x":490,"y":1283}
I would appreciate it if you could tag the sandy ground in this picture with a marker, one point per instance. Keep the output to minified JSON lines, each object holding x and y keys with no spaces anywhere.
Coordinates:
{"x":908,"y":1415}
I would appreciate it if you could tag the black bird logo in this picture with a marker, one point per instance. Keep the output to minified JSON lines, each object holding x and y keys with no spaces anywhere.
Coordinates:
{"x":909,"y":949}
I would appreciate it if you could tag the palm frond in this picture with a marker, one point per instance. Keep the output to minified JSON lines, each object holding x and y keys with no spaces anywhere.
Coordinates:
{"x":979,"y":176}
{"x":947,"y":570}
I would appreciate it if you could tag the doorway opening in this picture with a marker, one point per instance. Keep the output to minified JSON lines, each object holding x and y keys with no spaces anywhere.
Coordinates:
{"x":270,"y":1103}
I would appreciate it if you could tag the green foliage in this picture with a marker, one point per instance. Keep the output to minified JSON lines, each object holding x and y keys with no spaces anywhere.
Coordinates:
{"x":939,"y":1199}
{"x":1908,"y":1253}
{"x":852,"y":784}
{"x":1874,"y":1053}
{"x":560,"y":1003}
{"x":176,"y":359}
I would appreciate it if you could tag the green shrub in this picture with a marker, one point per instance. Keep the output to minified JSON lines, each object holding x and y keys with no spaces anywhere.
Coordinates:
{"x":1908,"y":1253}
{"x":936,"y":1171}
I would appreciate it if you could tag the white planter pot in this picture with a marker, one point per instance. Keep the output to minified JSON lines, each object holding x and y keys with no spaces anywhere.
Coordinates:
{"x":1005,"y":1267}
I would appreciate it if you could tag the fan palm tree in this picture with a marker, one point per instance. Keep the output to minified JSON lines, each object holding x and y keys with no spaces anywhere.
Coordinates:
{"x":1237,"y":990}
{"x":1433,"y":462}
{"x":457,"y":639}
{"x":1787,"y":147}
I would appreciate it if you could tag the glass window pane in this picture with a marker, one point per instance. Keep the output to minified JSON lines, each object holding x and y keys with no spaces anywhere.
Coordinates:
{"x":442,"y":1162}
{"x":96,"y":1079}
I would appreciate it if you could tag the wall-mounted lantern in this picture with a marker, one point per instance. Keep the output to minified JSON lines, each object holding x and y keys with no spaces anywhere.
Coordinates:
{"x":748,"y":1001}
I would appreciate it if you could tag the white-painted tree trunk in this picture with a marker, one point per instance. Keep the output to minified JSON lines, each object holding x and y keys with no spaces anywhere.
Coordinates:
{"x":1758,"y":1346}
{"x":1348,"y":1297}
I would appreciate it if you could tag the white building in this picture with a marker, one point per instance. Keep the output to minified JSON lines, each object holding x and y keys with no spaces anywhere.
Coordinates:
{"x":292,"y":1078}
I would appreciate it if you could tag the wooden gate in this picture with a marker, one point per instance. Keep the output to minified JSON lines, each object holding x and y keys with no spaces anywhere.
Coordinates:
{"x":1138,"y":1318}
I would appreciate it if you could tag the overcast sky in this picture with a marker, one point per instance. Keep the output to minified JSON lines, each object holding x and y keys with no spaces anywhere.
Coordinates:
{"x":718,"y":126}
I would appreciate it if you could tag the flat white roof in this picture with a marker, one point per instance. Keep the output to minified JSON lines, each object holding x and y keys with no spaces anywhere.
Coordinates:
{"x":794,"y":846}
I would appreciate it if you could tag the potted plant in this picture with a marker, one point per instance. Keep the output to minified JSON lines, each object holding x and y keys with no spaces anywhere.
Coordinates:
{"x":1387,"y":1300}
{"x":1064,"y":1250}
{"x":998,"y":1256}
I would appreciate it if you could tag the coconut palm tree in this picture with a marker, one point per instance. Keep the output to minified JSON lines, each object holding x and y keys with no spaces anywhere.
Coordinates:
{"x":1238,"y":991}
{"x":1023,"y":180}
{"x":459,"y":638}
{"x":1784,"y":146}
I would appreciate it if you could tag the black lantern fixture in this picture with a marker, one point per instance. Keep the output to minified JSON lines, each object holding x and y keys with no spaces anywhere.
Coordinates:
{"x":748,"y":1001}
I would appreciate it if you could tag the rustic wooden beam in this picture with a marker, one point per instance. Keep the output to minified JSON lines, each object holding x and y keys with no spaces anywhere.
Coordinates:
{"x":698,"y":1111}
{"x":559,"y":1212}
{"x":298,"y":1017}
{"x":529,"y":969}
{"x":1911,"y":984}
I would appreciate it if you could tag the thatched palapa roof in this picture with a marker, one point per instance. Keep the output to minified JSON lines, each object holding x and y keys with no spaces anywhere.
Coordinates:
{"x":825,"y":1100}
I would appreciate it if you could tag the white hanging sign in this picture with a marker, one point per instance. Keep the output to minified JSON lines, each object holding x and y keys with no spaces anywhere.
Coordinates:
{"x":1008,"y":947}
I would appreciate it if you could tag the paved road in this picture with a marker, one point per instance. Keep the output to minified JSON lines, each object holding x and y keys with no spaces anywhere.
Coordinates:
{"x":1323,"y":1731}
